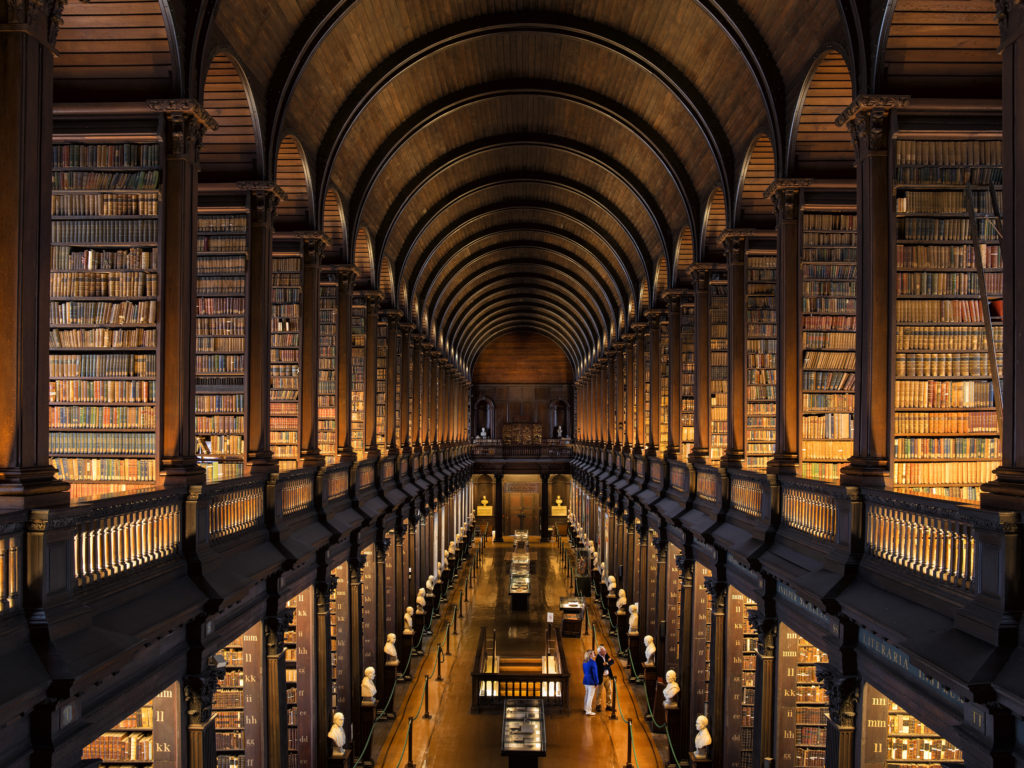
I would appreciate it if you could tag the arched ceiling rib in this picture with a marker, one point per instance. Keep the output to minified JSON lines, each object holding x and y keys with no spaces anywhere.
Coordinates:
{"x":528,"y":164}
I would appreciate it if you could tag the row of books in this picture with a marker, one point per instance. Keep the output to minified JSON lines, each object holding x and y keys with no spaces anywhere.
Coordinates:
{"x":123,"y":365}
{"x":820,"y":360}
{"x":825,"y":450}
{"x":220,"y":364}
{"x":952,"y":153}
{"x":64,"y":258}
{"x":120,"y":747}
{"x":226,"y":222}
{"x":220,"y":265}
{"x":813,"y":270}
{"x":961,"y":423}
{"x":841,"y":239}
{"x":127,"y":470}
{"x":944,"y":229}
{"x":210,"y":424}
{"x":946,"y":257}
{"x":943,"y":394}
{"x":829,"y":426}
{"x":947,"y":447}
{"x":74,"y":155}
{"x":232,"y":403}
{"x":222,"y":445}
{"x":220,"y":326}
{"x":102,"y":312}
{"x":235,"y":344}
{"x":102,"y":338}
{"x":103,"y":444}
{"x":945,"y":339}
{"x":847,"y":222}
{"x":829,"y":305}
{"x":946,"y":201}
{"x":944,"y":283}
{"x":112,"y":391}
{"x":221,"y":243}
{"x":103,"y":284}
{"x":102,"y":417}
{"x":106,"y":204}
{"x":104,"y":231}
{"x":815,"y":402}
{"x":221,"y":285}
{"x":836,"y":341}
{"x":951,"y":311}
{"x":838,"y":381}
{"x":100,"y":180}
{"x":290,"y":407}
{"x":932,"y":364}
{"x":221,"y":306}
{"x":943,"y":472}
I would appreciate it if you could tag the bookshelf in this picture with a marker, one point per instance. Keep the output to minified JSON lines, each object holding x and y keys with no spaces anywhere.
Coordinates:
{"x":104,"y":296}
{"x":238,"y":703}
{"x":645,"y":395}
{"x":381,"y":386}
{"x":299,"y":652}
{"x":828,"y":272}
{"x":686,"y":377}
{"x":341,"y":628}
{"x":327,"y":378}
{"x":946,"y":424}
{"x":718,"y":303}
{"x":761,"y":313}
{"x":701,"y":648}
{"x":285,"y":354}
{"x":895,"y":739}
{"x":358,"y":353}
{"x":741,"y":670}
{"x":221,"y":330}
{"x":147,"y":738}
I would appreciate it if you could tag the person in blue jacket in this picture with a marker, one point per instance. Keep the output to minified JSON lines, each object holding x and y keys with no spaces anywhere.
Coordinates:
{"x":590,"y":681}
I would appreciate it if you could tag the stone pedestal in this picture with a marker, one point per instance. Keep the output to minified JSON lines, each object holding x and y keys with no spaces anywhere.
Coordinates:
{"x":431,"y":609}
{"x":674,"y":726}
{"x":418,"y":621}
{"x":339,"y":759}
{"x":446,"y":580}
{"x":364,"y":730}
{"x":388,"y":679}
{"x":633,"y":646}
{"x":405,"y":643}
{"x":602,"y":592}
{"x":621,"y":626}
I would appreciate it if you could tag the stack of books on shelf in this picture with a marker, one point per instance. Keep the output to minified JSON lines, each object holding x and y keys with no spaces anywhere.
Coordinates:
{"x":285,"y":382}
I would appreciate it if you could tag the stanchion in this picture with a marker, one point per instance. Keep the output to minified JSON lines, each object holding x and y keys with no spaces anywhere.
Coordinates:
{"x":408,"y":745}
{"x":629,"y":744}
{"x":448,"y":639}
{"x":455,"y":621}
{"x":440,"y":652}
{"x":426,"y":697}
{"x":615,"y":698}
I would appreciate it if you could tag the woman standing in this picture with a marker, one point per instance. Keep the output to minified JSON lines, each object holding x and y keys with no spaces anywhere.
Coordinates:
{"x":590,"y":681}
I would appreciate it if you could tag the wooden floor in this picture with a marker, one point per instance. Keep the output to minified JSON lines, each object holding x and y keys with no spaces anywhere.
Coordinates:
{"x":455,"y":736}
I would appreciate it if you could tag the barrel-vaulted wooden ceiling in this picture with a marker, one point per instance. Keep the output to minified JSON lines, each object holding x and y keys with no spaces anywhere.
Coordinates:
{"x":527,"y":165}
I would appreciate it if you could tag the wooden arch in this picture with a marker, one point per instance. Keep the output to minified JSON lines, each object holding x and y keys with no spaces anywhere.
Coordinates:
{"x":291,"y":172}
{"x":715,"y":224}
{"x":660,"y":281}
{"x":332,"y":224}
{"x":362,"y":260}
{"x":683,"y":256}
{"x":755,"y":210}
{"x":818,"y":147}
{"x":233,"y":151}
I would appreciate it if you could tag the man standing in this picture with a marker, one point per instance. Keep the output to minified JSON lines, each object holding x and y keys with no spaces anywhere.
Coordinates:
{"x":604,"y":668}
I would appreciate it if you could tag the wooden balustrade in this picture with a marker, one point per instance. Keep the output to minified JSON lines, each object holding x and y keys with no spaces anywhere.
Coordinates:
{"x":10,"y":573}
{"x":678,"y":478}
{"x":810,"y":510}
{"x":746,"y":494}
{"x":235,"y":506}
{"x":336,"y":482}
{"x":708,"y":485}
{"x":295,"y":491}
{"x":115,"y":536}
{"x":931,"y":539}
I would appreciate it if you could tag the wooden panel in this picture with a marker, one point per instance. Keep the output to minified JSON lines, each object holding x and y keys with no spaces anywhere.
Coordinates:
{"x":714,"y":222}
{"x":823,"y":148}
{"x":362,"y":260}
{"x":230,"y":151}
{"x":684,"y":252}
{"x":522,"y":358}
{"x":755,"y":209}
{"x":333,"y":227}
{"x":113,"y":49}
{"x":292,"y":176}
{"x":943,"y":48}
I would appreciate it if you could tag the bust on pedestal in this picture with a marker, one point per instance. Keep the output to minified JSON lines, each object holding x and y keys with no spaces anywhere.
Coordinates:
{"x":337,"y":735}
{"x":649,"y":650}
{"x":405,"y":644}
{"x":702,"y":741}
{"x":671,"y":689}
{"x":634,"y":619}
{"x":368,"y":690}
{"x":390,"y":672}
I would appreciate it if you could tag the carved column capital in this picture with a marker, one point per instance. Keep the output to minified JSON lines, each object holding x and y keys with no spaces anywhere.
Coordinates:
{"x":42,"y":18}
{"x":719,"y":591}
{"x":867,"y":119}
{"x":785,"y":194}
{"x":187,"y":121}
{"x":767,"y":628}
{"x":843,"y":693}
{"x":265,"y":196}
{"x":274,"y":628}
{"x":199,"y":690}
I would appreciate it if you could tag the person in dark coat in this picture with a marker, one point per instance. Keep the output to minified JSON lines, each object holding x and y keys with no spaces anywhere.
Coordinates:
{"x":604,"y":676}
{"x":590,"y":680}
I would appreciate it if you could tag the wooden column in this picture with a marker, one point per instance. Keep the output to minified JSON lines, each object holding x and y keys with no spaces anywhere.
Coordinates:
{"x":868,"y":119}
{"x":640,"y":365}
{"x":736,"y":439}
{"x":198,"y":690}
{"x":416,"y":425}
{"x":719,"y":683}
{"x":370,"y":390}
{"x":498,"y":516}
{"x":185,"y":121}
{"x":700,"y":274}
{"x":545,"y":508}
{"x":346,"y":279}
{"x":28,"y":30}
{"x":684,"y":672}
{"x":1007,"y":491}
{"x":629,"y":404}
{"x":277,"y":715}
{"x":843,"y":693}
{"x":312,"y":245}
{"x":323,"y":592}
{"x":392,"y":418}
{"x":656,"y":316}
{"x":765,"y":686}
{"x":354,"y":672}
{"x":263,"y":198}
{"x":786,"y":195}
{"x":610,"y":412}
{"x":673,"y":432}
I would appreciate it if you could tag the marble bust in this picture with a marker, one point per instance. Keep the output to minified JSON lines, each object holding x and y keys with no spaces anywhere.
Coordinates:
{"x":408,"y":619}
{"x":671,"y":688}
{"x":634,"y":619}
{"x":649,"y":649}
{"x":390,"y":650}
{"x":611,"y":583}
{"x":337,"y":734}
{"x":484,"y":502}
{"x":367,"y":687}
{"x":421,"y":597}
{"x":602,"y":568}
{"x":622,"y":602}
{"x":430,"y":583}
{"x":702,"y":740}
{"x":558,"y":501}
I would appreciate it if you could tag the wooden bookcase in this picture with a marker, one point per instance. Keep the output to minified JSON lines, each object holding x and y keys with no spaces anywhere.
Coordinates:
{"x":718,"y":303}
{"x":686,"y":377}
{"x":663,"y":394}
{"x":381,"y":386}
{"x":300,"y":681}
{"x":238,"y":703}
{"x":741,"y":667}
{"x":147,"y":738}
{"x":105,"y":283}
{"x":222,"y":253}
{"x":358,"y":353}
{"x":828,"y":272}
{"x":946,"y":424}
{"x":761,"y":313}
{"x":802,"y":702}
{"x":285,"y":353}
{"x":892,"y":738}
{"x":327,"y":376}
{"x":700,"y":663}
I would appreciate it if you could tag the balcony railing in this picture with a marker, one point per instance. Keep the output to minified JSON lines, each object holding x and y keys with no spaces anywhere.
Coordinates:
{"x":809,"y":508}
{"x":295,"y":491}
{"x":495,"y":449}
{"x":235,"y":506}
{"x":10,"y":573}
